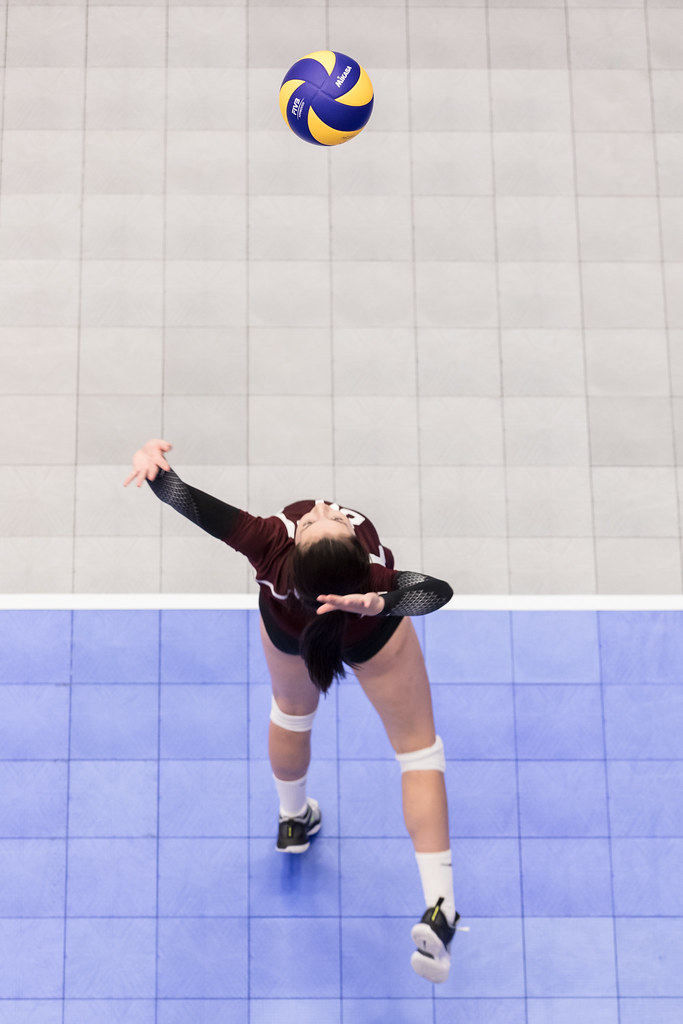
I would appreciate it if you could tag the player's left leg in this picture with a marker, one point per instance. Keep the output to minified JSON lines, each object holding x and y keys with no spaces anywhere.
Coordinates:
{"x":293,"y":708}
{"x":395,"y":681}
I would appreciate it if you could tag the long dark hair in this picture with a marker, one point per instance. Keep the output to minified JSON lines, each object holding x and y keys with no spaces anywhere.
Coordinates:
{"x":327,"y":566}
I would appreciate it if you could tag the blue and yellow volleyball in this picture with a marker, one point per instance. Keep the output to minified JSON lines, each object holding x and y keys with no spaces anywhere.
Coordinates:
{"x":326,"y":98}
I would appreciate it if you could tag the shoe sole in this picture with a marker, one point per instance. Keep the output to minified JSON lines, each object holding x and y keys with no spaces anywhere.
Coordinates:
{"x":292,"y":849}
{"x":432,"y":969}
{"x":428,"y":941}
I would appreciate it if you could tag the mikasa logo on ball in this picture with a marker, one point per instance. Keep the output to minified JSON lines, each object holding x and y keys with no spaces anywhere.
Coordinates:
{"x":344,"y":74}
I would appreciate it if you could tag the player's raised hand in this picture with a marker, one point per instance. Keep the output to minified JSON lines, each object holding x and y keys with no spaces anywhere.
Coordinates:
{"x":359,"y":604}
{"x":148,"y":460}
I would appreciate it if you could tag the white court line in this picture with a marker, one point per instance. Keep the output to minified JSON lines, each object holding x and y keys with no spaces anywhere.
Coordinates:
{"x":241,"y":602}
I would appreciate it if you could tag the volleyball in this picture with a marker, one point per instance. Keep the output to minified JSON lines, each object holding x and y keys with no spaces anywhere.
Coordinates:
{"x":326,"y":98}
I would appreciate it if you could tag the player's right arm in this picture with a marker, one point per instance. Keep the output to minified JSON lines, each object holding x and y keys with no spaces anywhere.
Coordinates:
{"x":215,"y":516}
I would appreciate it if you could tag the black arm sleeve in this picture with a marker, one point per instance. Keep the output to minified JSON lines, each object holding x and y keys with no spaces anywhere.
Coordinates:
{"x":212,"y":515}
{"x":417,"y":594}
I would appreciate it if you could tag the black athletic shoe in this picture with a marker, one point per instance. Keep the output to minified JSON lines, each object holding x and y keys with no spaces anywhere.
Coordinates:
{"x":294,"y":833}
{"x":432,"y":936}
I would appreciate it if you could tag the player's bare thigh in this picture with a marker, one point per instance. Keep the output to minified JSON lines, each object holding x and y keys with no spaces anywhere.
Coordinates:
{"x":292,"y":687}
{"x":396,"y":683}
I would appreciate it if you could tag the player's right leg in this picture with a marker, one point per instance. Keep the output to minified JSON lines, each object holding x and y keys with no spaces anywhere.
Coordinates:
{"x":293,"y":708}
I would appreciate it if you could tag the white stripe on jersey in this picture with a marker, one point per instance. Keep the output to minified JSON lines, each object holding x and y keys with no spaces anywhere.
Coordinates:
{"x":267,"y":583}
{"x":291,"y":527}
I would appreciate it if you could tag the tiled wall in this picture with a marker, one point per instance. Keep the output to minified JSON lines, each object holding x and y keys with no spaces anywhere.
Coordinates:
{"x":466,"y":322}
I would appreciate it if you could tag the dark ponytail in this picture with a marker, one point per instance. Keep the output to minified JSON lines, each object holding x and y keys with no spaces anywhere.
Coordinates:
{"x":327,"y":566}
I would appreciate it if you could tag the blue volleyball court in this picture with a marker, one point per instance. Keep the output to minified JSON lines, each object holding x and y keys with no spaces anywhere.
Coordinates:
{"x":139,"y":880}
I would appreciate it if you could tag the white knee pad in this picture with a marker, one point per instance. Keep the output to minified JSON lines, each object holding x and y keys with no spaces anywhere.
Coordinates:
{"x":430,"y":759}
{"x":295,"y":723}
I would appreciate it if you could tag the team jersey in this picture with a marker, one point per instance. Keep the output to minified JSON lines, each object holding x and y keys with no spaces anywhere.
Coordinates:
{"x":267,"y":542}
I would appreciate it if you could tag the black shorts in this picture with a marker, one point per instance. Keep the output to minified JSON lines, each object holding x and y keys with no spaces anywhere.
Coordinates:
{"x":355,"y":654}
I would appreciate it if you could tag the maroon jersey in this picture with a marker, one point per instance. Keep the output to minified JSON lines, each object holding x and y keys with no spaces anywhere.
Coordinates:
{"x":266,"y":542}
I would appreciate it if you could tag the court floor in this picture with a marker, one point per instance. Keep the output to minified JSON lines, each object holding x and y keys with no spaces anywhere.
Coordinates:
{"x":139,"y":880}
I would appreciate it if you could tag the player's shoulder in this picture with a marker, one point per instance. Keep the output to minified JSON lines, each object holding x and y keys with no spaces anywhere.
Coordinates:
{"x":296,"y":509}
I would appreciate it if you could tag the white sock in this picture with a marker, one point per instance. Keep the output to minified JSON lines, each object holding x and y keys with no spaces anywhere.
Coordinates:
{"x":436,"y":875}
{"x":292,"y":796}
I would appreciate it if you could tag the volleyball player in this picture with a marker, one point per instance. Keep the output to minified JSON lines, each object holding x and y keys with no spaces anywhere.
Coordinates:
{"x":330,"y":597}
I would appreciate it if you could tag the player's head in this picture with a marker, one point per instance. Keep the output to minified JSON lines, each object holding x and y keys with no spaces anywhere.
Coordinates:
{"x":328,"y":565}
{"x":320,"y":522}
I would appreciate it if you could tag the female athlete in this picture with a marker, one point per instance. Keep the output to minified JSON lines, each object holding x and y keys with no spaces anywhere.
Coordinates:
{"x":329,"y":596}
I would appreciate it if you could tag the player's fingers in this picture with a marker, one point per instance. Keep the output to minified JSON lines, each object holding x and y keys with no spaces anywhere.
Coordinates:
{"x":332,"y":602}
{"x":131,"y":476}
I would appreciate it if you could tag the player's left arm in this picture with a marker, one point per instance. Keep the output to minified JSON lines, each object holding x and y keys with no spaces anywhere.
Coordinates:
{"x":415,"y":594}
